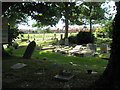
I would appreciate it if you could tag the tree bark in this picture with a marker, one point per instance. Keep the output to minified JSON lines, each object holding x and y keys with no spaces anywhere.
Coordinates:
{"x":66,"y":20}
{"x":110,"y":77}
{"x":90,"y":21}
{"x":91,"y":27}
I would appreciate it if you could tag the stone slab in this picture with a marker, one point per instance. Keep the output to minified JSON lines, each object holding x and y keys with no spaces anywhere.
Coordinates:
{"x":18,"y":66}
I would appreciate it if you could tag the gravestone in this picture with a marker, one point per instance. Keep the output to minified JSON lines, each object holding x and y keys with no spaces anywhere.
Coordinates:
{"x":91,"y":46}
{"x":104,"y":48}
{"x":54,"y":36}
{"x":34,"y":37}
{"x":66,"y":41}
{"x":28,"y":36}
{"x":65,"y":75}
{"x":29,"y":50}
{"x":61,"y":36}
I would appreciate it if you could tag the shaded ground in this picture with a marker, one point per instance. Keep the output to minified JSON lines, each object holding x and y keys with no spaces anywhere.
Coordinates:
{"x":39,"y":73}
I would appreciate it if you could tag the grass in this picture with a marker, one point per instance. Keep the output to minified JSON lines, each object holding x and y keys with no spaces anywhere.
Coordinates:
{"x":39,"y":73}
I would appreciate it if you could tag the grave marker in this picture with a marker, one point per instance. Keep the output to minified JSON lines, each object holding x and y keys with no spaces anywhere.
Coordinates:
{"x":65,"y":75}
{"x":104,"y":48}
{"x":54,"y":36}
{"x":18,"y":66}
{"x":29,"y":50}
{"x":91,"y":46}
{"x":61,"y":36}
{"x":66,"y":41}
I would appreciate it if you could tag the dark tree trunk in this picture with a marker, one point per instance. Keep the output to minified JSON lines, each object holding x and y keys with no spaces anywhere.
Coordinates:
{"x":90,"y":21}
{"x":110,"y":77}
{"x":66,"y":20}
{"x":91,"y":26}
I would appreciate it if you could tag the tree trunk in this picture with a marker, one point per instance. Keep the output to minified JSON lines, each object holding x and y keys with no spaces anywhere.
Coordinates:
{"x":91,"y":27}
{"x":90,"y":21}
{"x":110,"y":77}
{"x":66,"y":20}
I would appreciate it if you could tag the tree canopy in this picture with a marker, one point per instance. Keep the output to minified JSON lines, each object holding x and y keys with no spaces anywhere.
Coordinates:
{"x":49,"y":13}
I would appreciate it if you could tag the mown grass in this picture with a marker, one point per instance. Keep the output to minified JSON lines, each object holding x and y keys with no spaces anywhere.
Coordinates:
{"x":27,"y":76}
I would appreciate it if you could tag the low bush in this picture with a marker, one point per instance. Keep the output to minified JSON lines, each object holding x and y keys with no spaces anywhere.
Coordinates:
{"x":82,"y":38}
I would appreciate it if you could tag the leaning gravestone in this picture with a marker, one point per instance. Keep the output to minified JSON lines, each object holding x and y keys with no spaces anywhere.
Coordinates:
{"x":91,"y":46}
{"x":29,"y":50}
{"x":104,"y":48}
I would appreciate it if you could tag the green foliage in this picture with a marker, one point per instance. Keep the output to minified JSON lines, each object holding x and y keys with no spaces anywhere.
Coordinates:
{"x":13,"y":33}
{"x":9,"y":50}
{"x":99,"y":32}
{"x":92,"y":13}
{"x":15,"y":45}
{"x":104,"y":40}
{"x":82,"y":38}
{"x":105,"y":31}
{"x":108,"y":28}
{"x":92,"y":10}
{"x":72,"y":39}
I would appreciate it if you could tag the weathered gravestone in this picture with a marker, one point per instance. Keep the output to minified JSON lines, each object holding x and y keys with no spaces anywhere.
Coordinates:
{"x":104,"y":48}
{"x":65,"y":75}
{"x":66,"y":41}
{"x":29,"y":50}
{"x":91,"y":46}
{"x":18,"y":65}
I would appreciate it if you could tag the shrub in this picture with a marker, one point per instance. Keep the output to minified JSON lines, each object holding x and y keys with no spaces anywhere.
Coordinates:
{"x":72,"y":39}
{"x":82,"y":38}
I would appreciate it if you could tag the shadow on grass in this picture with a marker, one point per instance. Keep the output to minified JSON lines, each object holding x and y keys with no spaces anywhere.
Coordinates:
{"x":39,"y":73}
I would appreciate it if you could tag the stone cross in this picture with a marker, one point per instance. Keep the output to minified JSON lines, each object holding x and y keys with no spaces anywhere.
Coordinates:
{"x":29,"y":50}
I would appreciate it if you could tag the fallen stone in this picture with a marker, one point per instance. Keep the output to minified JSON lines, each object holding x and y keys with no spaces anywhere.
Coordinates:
{"x":71,"y":63}
{"x":65,"y":75}
{"x":18,"y":66}
{"x":94,"y":72}
{"x":64,"y":78}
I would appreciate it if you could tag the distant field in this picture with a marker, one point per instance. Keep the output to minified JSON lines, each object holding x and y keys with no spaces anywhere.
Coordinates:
{"x":43,"y":36}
